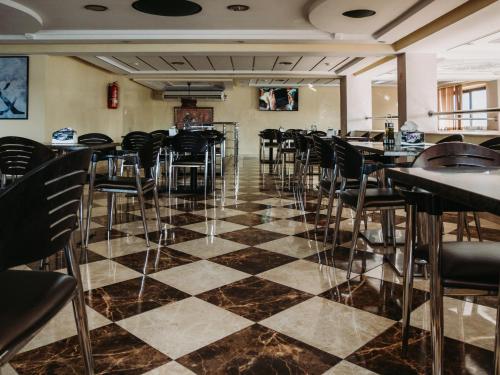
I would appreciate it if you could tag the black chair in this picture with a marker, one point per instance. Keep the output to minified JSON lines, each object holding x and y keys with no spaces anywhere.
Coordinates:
{"x":493,"y":144}
{"x":452,"y":138}
{"x":317,"y":133}
{"x":352,"y":165}
{"x":462,"y":269}
{"x":163,"y":159}
{"x":328,"y":174}
{"x":269,"y":138}
{"x":94,"y":139}
{"x":358,"y":134}
{"x":148,"y":158}
{"x":20,"y":155}
{"x":376,"y":136}
{"x":189,"y":150}
{"x":133,"y":142}
{"x":42,"y":212}
{"x":216,"y":141}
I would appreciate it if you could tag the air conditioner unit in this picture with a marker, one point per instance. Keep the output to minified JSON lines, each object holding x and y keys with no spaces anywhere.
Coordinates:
{"x":213,"y":95}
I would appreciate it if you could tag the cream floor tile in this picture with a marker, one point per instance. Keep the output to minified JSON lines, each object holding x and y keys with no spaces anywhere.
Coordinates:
{"x":275,"y":202}
{"x":119,"y":246}
{"x":97,"y":211}
{"x":348,"y":368}
{"x":171,"y":368}
{"x":185,"y":326}
{"x":279,"y":212}
{"x":297,"y":247}
{"x":151,"y":212}
{"x":306,"y":276}
{"x":222,"y":202}
{"x":464,"y":321}
{"x":198,"y":277}
{"x":63,"y":326}
{"x":387,"y":273}
{"x":289,"y":227}
{"x":208,"y":247}
{"x":136,"y":227}
{"x":214,"y":227}
{"x":335,"y":328}
{"x":7,"y":370}
{"x":487,"y":224}
{"x":218,"y":212}
{"x":104,"y":272}
{"x":165,"y":201}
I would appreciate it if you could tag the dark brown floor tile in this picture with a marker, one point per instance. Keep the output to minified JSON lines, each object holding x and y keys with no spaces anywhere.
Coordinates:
{"x":115,"y":351}
{"x":249,"y":207}
{"x":310,"y":218}
{"x":190,"y":206}
{"x":258,"y":350}
{"x":488,"y":234}
{"x":130,"y":205}
{"x":319,"y":235}
{"x":376,"y":296}
{"x":58,"y":260}
{"x":155,"y":260}
{"x":250,"y":219}
{"x":172,"y":236}
{"x":308,"y":206}
{"x":383,"y":355}
{"x":254,"y":298}
{"x":253,"y":260}
{"x":128,"y":298}
{"x":183,"y":219}
{"x":251,"y":236}
{"x":363,"y":260}
{"x":119,"y":218}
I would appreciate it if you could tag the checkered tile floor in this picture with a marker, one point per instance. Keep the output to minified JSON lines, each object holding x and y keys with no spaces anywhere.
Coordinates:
{"x":241,"y":283}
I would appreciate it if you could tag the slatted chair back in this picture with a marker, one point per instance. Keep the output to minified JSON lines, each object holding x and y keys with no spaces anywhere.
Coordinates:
{"x":42,"y":209}
{"x":20,"y":155}
{"x":300,"y":142}
{"x":493,"y":144}
{"x":189,"y":142}
{"x":358,"y":133}
{"x":457,"y":154}
{"x":94,"y":139}
{"x":318,"y":133}
{"x":349,"y":160}
{"x":325,"y":151}
{"x":135,"y":141}
{"x":376,"y":136}
{"x":452,"y":138}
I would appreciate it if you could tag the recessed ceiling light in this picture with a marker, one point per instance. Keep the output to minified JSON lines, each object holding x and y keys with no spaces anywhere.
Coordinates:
{"x":238,"y":8}
{"x":359,"y":13}
{"x":177,"y":63}
{"x":171,"y":8}
{"x":285,"y":63}
{"x":96,"y":7}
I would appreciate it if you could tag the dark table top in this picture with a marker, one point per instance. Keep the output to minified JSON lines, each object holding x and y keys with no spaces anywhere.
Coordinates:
{"x":380,"y":149}
{"x":476,"y":187}
{"x":79,"y":146}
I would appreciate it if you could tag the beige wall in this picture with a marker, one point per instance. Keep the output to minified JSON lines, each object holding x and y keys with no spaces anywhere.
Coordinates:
{"x":384,"y":102}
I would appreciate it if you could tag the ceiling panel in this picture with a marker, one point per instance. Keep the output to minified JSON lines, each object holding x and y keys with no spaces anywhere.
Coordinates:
{"x":328,"y":63}
{"x":175,"y":62}
{"x":199,"y":62}
{"x":264,"y":81}
{"x":242,"y":62}
{"x":324,"y":81}
{"x":156,"y":62}
{"x":295,"y":81}
{"x":286,"y":63}
{"x":305,"y":81}
{"x":221,"y":62}
{"x":264,"y":62}
{"x":306,"y":63}
{"x":134,"y":63}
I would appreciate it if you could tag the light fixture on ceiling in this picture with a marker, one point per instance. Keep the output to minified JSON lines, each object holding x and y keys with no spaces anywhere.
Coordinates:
{"x":177,"y":63}
{"x":359,"y":13}
{"x":96,"y":7}
{"x":171,"y":8}
{"x":311,"y":87}
{"x":238,"y":7}
{"x":285,"y":63}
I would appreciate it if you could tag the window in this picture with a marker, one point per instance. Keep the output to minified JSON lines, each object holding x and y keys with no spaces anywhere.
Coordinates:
{"x":474,"y":99}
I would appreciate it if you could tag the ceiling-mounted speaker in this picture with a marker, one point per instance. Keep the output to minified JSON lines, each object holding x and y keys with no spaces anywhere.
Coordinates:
{"x":168,"y":8}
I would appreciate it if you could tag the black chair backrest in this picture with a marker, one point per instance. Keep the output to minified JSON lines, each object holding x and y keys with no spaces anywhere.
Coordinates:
{"x":40,"y":209}
{"x":318,"y":133}
{"x":300,"y":142}
{"x":20,"y":155}
{"x":358,"y":133}
{"x":164,"y":133}
{"x":270,"y":134}
{"x":376,"y":136}
{"x":325,"y":151}
{"x":213,"y":135}
{"x":189,"y":142}
{"x":457,"y":154}
{"x":94,"y":139}
{"x":349,"y":160}
{"x":493,"y":144}
{"x":452,"y":138}
{"x":135,"y":141}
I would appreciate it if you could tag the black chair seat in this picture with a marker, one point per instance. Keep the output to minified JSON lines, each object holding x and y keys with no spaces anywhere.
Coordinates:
{"x":374,"y":197}
{"x":30,"y":300}
{"x":351,"y":184}
{"x":471,"y":265}
{"x":123,"y":183}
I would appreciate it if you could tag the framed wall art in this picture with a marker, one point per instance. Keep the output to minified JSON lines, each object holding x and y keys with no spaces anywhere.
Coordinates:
{"x":14,"y":89}
{"x":193,"y":116}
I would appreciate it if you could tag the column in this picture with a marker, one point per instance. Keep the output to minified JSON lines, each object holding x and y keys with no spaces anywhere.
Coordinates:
{"x":492,"y":97}
{"x":355,"y":103}
{"x":417,"y":90}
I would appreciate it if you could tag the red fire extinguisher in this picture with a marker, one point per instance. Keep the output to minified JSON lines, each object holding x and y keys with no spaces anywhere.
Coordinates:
{"x":113,"y":95}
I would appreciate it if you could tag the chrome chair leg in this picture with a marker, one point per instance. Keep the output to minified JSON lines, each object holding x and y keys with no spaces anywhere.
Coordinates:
{"x":408,"y":273}
{"x":340,"y":205}
{"x":157,"y":208}
{"x":357,"y":223}
{"x":81,"y":220}
{"x":111,"y":199}
{"x":318,"y":208}
{"x":90,"y":200}
{"x":79,"y":310}
{"x":140,"y":197}
{"x":477,"y":222}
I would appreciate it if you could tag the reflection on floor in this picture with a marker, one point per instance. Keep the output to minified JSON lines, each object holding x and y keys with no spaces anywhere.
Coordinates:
{"x":241,"y":283}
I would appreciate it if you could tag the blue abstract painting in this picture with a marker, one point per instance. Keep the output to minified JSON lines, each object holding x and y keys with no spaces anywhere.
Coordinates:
{"x":14,"y":87}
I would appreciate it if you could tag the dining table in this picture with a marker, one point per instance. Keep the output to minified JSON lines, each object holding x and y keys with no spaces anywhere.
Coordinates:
{"x":62,"y":148}
{"x":477,"y":187}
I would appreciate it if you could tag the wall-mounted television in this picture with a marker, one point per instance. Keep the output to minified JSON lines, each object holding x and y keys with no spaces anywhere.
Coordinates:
{"x":278,"y":99}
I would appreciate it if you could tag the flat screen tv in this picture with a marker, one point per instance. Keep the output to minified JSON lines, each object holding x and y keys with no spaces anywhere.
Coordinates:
{"x":278,"y":99}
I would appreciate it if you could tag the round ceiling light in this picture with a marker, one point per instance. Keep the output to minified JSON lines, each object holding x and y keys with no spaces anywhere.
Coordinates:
{"x":96,"y":7}
{"x":171,"y":8}
{"x":238,"y":8}
{"x":177,"y":63}
{"x":285,"y":63}
{"x":359,"y":13}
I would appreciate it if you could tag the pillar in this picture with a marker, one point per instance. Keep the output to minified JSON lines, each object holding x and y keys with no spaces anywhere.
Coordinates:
{"x":355,"y":103}
{"x":417,"y":90}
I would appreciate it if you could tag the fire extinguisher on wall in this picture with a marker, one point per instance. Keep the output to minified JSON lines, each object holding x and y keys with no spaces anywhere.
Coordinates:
{"x":113,"y":95}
